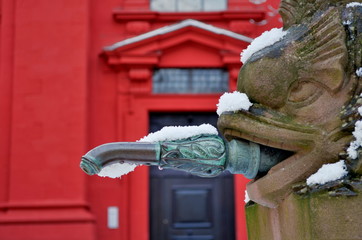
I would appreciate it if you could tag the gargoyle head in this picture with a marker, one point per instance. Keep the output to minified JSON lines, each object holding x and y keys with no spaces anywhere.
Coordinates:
{"x":305,"y":87}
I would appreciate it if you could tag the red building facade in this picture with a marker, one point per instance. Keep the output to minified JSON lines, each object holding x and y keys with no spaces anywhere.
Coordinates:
{"x":75,"y":74}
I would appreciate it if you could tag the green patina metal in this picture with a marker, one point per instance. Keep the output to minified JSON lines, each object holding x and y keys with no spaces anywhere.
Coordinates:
{"x":201,"y":155}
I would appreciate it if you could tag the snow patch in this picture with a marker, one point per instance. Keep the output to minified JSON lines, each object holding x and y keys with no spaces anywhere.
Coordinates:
{"x":328,"y":173}
{"x":265,"y":39}
{"x":353,"y":4}
{"x":171,"y":133}
{"x":233,"y":102}
{"x":357,"y":133}
{"x":247,"y":199}
{"x":116,"y":170}
{"x":359,"y":72}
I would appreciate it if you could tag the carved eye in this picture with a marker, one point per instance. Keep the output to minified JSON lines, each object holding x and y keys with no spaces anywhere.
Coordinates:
{"x":304,"y":93}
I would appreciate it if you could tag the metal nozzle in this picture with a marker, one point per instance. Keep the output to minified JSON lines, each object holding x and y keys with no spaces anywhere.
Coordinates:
{"x":202,"y":155}
{"x":131,"y":152}
{"x":89,"y":166}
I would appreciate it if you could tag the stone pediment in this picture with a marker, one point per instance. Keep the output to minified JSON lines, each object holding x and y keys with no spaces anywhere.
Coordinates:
{"x":189,"y":42}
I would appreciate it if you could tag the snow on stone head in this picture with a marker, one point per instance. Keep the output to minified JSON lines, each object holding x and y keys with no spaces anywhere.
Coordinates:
{"x":357,"y":143}
{"x":353,"y":4}
{"x":327,"y":173}
{"x":233,"y":102}
{"x":265,"y":39}
{"x":359,"y":72}
{"x":246,"y":199}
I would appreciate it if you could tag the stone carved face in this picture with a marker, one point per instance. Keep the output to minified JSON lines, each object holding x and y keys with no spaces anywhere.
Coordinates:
{"x":299,"y":87}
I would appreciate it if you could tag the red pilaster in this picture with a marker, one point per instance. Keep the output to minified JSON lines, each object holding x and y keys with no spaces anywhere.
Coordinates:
{"x":46,"y":193}
{"x":6,"y":74}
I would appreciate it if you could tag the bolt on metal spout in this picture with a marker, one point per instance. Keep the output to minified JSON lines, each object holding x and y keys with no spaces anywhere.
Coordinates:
{"x":202,"y":155}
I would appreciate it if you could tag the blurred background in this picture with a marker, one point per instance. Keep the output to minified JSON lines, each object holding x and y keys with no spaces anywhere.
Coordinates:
{"x":78,"y":73}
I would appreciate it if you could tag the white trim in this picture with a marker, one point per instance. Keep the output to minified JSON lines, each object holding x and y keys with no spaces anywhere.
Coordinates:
{"x":177,"y":26}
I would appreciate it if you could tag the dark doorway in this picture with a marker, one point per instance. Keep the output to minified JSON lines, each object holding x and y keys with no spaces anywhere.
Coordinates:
{"x":187,"y":207}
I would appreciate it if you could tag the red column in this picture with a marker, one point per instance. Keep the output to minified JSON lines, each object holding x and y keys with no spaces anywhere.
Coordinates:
{"x":46,"y":100}
{"x":6,"y":73}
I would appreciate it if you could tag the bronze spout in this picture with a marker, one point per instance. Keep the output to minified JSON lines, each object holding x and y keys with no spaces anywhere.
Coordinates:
{"x":121,"y":152}
{"x":202,"y":155}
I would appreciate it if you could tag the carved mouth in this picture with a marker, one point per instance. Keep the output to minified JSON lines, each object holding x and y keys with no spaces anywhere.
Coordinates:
{"x":275,"y":134}
{"x":269,"y":155}
{"x":278,"y":155}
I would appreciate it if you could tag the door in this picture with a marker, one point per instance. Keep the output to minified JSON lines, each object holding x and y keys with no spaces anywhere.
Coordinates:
{"x":187,"y":207}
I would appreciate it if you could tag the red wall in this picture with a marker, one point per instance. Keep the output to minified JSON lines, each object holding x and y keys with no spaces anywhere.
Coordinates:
{"x":44,"y":74}
{"x":59,"y":97}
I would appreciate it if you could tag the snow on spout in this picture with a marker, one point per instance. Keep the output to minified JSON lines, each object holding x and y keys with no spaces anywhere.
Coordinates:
{"x":169,"y":133}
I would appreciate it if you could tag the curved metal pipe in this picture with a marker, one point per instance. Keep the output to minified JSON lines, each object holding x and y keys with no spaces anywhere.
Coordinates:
{"x":202,"y":155}
{"x":244,"y":158}
{"x":131,"y":152}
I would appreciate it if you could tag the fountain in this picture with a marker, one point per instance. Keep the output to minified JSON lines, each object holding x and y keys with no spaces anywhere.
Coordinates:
{"x":201,"y":155}
{"x":305,"y":86}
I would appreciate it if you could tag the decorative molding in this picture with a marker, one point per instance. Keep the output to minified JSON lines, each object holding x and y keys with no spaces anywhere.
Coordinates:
{"x":139,"y":74}
{"x":138,"y":27}
{"x":43,"y":204}
{"x":25,"y":217}
{"x":118,"y":60}
{"x":57,"y":211}
{"x":145,"y":51}
{"x":257,"y":14}
{"x":176,"y":27}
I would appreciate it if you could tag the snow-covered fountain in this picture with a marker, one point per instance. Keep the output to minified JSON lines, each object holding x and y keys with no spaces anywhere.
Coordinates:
{"x":195,"y":149}
{"x":299,"y":138}
{"x":203,"y":155}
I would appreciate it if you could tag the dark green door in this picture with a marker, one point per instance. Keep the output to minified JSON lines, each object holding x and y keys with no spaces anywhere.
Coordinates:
{"x":186,"y":207}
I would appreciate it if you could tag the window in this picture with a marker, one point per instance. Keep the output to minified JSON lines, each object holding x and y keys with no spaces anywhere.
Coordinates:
{"x":194,"y":80}
{"x":188,"y":5}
